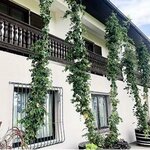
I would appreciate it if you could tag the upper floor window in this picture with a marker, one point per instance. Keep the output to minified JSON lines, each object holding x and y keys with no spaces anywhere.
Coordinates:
{"x":93,"y":47}
{"x":36,"y":20}
{"x":52,"y":132}
{"x":100,"y":110}
{"x":21,"y":13}
{"x":14,"y":11}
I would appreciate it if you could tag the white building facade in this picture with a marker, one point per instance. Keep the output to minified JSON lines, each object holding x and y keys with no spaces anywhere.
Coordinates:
{"x":64,"y":126}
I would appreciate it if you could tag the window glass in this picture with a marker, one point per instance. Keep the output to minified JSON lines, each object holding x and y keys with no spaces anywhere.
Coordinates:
{"x":3,"y":8}
{"x":36,"y":20}
{"x":89,"y":45}
{"x":100,"y":111}
{"x":20,"y":99}
{"x":48,"y":118}
{"x":95,"y":111}
{"x":14,"y":11}
{"x":21,"y":14}
{"x":97,"y":49}
{"x":17,"y":14}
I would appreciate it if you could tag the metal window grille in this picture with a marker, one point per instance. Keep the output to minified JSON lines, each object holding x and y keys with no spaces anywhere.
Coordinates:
{"x":53,"y":130}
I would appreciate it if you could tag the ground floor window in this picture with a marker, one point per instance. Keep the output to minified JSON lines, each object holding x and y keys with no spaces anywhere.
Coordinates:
{"x":53,"y":130}
{"x":100,"y":108}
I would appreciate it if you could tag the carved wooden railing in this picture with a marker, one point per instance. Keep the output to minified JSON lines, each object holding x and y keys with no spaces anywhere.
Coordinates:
{"x":17,"y":37}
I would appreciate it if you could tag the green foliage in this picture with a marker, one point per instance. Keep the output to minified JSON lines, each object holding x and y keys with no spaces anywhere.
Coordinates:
{"x":129,"y":66}
{"x":91,"y":146}
{"x":120,"y":144}
{"x":114,"y":38}
{"x":40,"y":84}
{"x":144,"y":69}
{"x":78,"y":68}
{"x":110,"y":140}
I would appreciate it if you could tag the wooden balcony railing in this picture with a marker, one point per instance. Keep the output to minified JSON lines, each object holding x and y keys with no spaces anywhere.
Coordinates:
{"x":17,"y":37}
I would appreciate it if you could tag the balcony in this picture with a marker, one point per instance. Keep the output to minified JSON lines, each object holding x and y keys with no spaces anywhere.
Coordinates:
{"x":17,"y":37}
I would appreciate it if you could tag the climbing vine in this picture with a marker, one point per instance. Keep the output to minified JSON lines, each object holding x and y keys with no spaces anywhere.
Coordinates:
{"x":114,"y":39}
{"x":144,"y":69}
{"x":79,"y":69}
{"x":129,"y":68}
{"x":143,"y":66}
{"x":35,"y":110}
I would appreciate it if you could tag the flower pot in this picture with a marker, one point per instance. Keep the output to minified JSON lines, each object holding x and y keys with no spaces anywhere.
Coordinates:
{"x":141,"y":139}
{"x":82,"y":145}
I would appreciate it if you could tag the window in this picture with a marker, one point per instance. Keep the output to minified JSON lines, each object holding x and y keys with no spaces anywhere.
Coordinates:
{"x":3,"y":8}
{"x":93,"y":47}
{"x":100,"y":110}
{"x":20,"y":13}
{"x":52,"y":132}
{"x":14,"y":11}
{"x":89,"y":45}
{"x":36,"y":20}
{"x":98,"y":50}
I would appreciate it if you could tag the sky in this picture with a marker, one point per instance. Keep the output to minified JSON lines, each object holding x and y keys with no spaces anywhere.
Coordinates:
{"x":138,"y":11}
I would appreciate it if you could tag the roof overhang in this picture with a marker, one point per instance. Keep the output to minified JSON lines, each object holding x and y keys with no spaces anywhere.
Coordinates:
{"x":102,"y":9}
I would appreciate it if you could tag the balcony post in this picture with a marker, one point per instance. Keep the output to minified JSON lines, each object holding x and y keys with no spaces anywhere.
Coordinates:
{"x":11,"y":33}
{"x":24,"y":38}
{"x":28,"y":39}
{"x":19,"y":36}
{"x":5,"y":31}
{"x":15,"y":35}
{"x":1,"y":26}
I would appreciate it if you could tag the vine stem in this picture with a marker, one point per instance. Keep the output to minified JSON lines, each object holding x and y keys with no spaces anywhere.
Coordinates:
{"x":114,"y":40}
{"x":79,"y":75}
{"x":40,"y":84}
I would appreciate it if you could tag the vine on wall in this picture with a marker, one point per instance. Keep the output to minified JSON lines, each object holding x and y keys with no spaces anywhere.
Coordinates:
{"x":129,"y":67}
{"x":143,"y":66}
{"x":40,"y":83}
{"x":144,"y":69}
{"x":114,"y":39}
{"x":79,"y":70}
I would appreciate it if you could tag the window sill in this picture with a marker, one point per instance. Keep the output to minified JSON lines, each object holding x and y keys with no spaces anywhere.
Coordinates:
{"x":103,"y":130}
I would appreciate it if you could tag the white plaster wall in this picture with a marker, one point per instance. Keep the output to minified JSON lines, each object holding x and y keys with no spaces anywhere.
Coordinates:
{"x":12,"y":68}
{"x":61,"y":25}
{"x":16,"y":69}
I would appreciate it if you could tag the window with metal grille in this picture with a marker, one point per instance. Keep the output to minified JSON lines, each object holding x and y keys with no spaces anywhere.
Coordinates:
{"x":100,"y":110}
{"x":53,"y":130}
